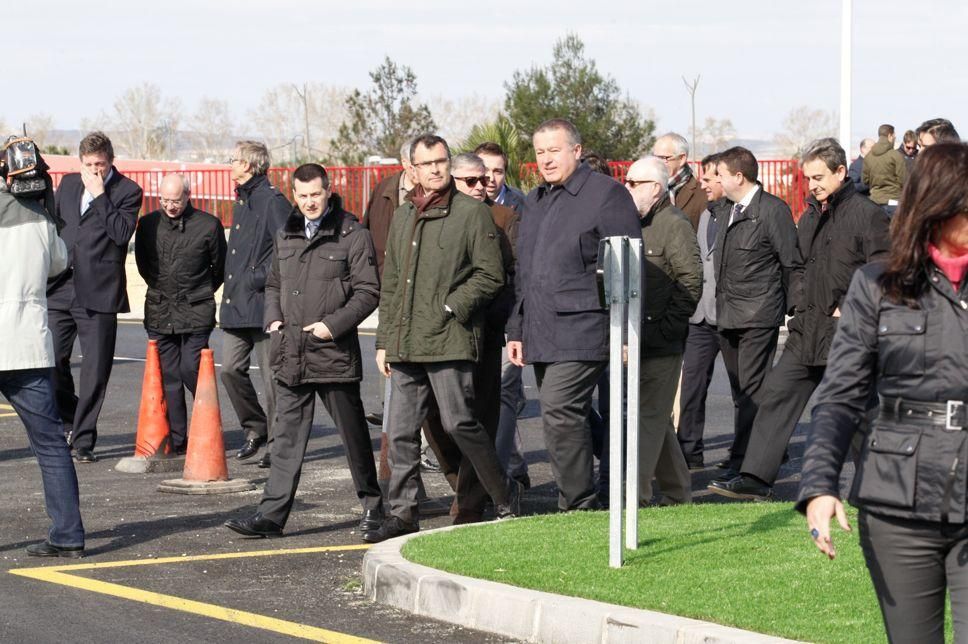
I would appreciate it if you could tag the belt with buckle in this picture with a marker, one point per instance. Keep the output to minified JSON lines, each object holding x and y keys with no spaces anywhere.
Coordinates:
{"x":952,"y":415}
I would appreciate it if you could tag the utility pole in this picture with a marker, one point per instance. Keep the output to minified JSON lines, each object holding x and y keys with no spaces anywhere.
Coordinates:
{"x":304,"y":97}
{"x":845,"y":69}
{"x":691,"y":88}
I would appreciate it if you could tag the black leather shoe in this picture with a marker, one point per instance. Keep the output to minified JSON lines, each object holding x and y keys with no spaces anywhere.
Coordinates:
{"x":47,"y":549}
{"x":255,"y":526}
{"x":84,"y":455}
{"x":266,"y":461}
{"x":392,"y":527}
{"x":695,"y":464}
{"x":249,"y":448}
{"x":372,"y":519}
{"x":727,"y":475}
{"x":742,"y":487}
{"x":374,"y":419}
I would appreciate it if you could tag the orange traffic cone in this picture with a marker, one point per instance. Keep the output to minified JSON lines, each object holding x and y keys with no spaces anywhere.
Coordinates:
{"x":153,"y":439}
{"x":206,"y":471}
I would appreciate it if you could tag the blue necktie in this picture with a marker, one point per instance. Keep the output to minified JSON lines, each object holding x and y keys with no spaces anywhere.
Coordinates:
{"x":311,"y":228}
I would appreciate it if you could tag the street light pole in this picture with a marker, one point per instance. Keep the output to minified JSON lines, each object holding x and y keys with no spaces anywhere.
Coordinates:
{"x":845,"y":78}
{"x":691,"y":88}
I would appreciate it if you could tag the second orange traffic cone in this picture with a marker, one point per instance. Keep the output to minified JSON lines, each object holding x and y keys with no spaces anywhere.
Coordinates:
{"x":206,"y":471}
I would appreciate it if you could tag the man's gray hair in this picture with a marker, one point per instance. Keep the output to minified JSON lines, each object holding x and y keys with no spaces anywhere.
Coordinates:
{"x":679,"y":142}
{"x":256,"y":154}
{"x":405,"y":150}
{"x":467,"y":160}
{"x":655,"y":169}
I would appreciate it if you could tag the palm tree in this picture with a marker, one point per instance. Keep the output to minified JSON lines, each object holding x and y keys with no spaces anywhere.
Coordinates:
{"x":505,"y":134}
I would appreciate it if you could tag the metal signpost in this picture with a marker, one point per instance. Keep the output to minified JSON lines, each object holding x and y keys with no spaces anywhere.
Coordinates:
{"x":620,"y":283}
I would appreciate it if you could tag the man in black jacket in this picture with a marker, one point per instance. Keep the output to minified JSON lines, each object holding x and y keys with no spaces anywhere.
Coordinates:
{"x":322,"y":284}
{"x":259,"y":211}
{"x":99,"y":210}
{"x":839,"y":232}
{"x":181,"y":254}
{"x":757,"y":258}
{"x":558,"y":323}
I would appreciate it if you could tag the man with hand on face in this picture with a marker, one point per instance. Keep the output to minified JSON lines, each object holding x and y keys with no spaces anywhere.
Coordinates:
{"x":443,"y":267}
{"x":557,"y":323}
{"x":673,"y":284}
{"x":322,"y":284}
{"x":471,"y":179}
{"x":180,"y":253}
{"x":839,"y":232}
{"x":99,"y":210}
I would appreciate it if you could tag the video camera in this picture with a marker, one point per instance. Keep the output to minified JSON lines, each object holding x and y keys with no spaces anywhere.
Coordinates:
{"x":23,"y":165}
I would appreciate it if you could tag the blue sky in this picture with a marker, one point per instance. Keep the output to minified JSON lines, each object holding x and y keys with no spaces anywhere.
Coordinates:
{"x":758,"y":59}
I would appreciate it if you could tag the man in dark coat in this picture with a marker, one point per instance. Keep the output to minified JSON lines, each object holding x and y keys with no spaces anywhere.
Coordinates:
{"x":558,"y":323}
{"x":856,"y":170}
{"x":322,"y":284}
{"x":673,"y":284}
{"x":757,"y":260}
{"x":443,"y":267}
{"x":259,"y":212}
{"x":180,"y":253}
{"x":684,"y":190}
{"x":839,"y":232}
{"x":99,"y":210}
{"x":386,"y":197}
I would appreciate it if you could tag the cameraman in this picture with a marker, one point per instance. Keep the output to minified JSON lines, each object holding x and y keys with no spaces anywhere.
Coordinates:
{"x":30,"y":251}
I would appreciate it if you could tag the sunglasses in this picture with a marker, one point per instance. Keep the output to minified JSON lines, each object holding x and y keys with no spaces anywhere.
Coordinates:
{"x":472,"y":181}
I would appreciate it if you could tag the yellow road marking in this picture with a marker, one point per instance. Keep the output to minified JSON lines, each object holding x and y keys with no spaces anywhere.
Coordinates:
{"x":6,"y":411}
{"x":59,"y":575}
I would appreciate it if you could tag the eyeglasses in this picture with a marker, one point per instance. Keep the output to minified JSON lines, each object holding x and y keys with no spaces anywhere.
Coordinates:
{"x":666,"y":157}
{"x":172,"y":202}
{"x":232,"y":160}
{"x":632,"y":183}
{"x":472,"y":181}
{"x":428,"y":164}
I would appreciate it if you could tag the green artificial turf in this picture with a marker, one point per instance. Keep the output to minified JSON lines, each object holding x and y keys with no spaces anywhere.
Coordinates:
{"x":752,"y":566}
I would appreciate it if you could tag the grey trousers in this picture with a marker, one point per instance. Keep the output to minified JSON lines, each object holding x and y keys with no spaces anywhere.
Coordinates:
{"x":913,"y":564}
{"x":659,"y":453}
{"x":452,"y":385}
{"x":565,"y":391}
{"x":508,"y":441}
{"x":297,"y":406}
{"x":238,"y":345}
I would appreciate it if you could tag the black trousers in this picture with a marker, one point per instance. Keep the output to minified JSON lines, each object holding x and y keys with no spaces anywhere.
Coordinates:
{"x":913,"y":564}
{"x":698,"y":364}
{"x":295,"y":408}
{"x":565,"y":391}
{"x":784,"y":396}
{"x":79,"y":408}
{"x":471,"y":494}
{"x":748,"y":355}
{"x":238,"y":348}
{"x":179,"y":354}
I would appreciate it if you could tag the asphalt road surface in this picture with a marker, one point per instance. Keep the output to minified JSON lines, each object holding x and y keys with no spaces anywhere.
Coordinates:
{"x":199,"y":580}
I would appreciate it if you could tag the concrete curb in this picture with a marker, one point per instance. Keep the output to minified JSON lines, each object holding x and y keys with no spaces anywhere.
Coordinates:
{"x":527,"y":615}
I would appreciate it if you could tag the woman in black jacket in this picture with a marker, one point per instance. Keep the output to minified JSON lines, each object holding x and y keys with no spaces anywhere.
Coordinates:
{"x":904,"y":332}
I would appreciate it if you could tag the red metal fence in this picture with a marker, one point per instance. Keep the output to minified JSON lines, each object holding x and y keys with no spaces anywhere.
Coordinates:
{"x":214,"y":190}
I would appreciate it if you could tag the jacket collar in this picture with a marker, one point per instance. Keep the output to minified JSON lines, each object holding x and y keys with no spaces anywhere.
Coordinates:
{"x":179,"y":221}
{"x":660,"y":205}
{"x":573,"y":184}
{"x":836,"y":199}
{"x":329,"y":224}
{"x":441,"y":209}
{"x":246,"y":189}
{"x":391,"y":189}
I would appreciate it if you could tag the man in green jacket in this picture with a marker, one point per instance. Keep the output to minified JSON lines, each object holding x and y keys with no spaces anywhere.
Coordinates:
{"x":673,"y":286}
{"x":443,"y":266}
{"x":885,"y":170}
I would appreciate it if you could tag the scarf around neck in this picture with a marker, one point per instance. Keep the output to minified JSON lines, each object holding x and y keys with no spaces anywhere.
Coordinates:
{"x":424,"y":201}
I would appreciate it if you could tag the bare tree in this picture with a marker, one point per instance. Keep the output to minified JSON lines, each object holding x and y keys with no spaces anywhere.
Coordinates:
{"x":455,"y":118}
{"x":39,"y":128}
{"x":803,"y":125}
{"x":309,"y":115}
{"x":712,"y":136}
{"x":212,"y":129}
{"x":145,"y":125}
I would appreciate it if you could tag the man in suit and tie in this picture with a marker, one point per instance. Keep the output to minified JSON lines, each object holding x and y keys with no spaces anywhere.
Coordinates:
{"x":99,"y":210}
{"x":757,"y":260}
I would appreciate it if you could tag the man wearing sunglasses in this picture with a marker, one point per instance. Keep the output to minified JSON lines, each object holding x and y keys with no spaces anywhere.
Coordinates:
{"x":470,"y":178}
{"x":442,"y":268}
